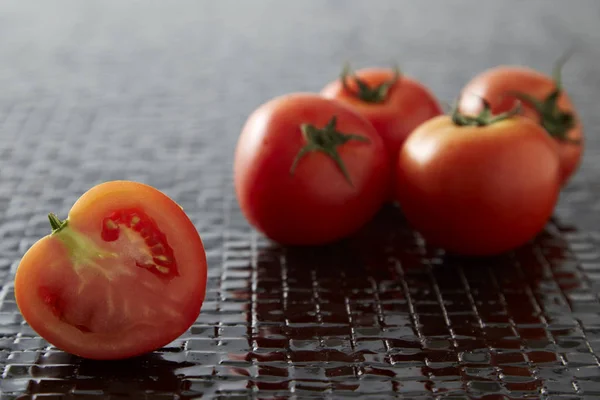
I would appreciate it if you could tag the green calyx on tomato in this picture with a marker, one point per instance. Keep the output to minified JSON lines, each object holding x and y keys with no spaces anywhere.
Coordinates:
{"x":56,"y":223}
{"x":556,"y":122}
{"x":366,"y":93}
{"x":326,"y":140}
{"x":485,"y":116}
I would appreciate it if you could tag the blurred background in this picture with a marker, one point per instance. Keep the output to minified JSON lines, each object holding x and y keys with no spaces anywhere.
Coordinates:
{"x":164,"y":80}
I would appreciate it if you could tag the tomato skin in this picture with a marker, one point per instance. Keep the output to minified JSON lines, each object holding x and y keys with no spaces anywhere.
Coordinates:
{"x":316,"y":204}
{"x":58,"y":284}
{"x":408,"y":104}
{"x":493,"y":85}
{"x":478,"y":190}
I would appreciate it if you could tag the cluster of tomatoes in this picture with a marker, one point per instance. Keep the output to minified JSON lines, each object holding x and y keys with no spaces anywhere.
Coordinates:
{"x":484,"y":179}
{"x":126,"y":272}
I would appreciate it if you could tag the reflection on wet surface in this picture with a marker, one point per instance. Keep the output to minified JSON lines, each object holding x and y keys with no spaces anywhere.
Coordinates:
{"x":378,"y":314}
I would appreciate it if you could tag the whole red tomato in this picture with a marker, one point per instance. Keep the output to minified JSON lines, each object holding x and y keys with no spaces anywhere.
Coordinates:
{"x":395,"y":104}
{"x":123,"y":275}
{"x":309,"y":170}
{"x":478,"y":185}
{"x":544,"y":101}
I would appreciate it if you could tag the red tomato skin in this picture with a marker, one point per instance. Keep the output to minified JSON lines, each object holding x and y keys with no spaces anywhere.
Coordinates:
{"x":408,"y":104}
{"x":478,"y":191}
{"x":48,"y":267}
{"x":316,"y":205}
{"x":493,"y":84}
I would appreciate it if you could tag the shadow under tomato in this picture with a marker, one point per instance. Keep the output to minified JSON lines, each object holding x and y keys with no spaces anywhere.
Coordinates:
{"x":387,"y":259}
{"x":132,"y":377}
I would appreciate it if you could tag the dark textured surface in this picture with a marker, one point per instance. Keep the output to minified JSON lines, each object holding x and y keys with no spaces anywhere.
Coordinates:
{"x":92,"y":91}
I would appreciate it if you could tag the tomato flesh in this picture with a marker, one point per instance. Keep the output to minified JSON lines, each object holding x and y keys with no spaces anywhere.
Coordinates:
{"x":160,"y":259}
{"x":110,"y":272}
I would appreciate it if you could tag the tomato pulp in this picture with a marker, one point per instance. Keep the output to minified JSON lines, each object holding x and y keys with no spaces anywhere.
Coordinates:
{"x":123,"y":275}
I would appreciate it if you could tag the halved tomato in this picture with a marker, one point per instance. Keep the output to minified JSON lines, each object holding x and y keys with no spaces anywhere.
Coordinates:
{"x":125,"y":274}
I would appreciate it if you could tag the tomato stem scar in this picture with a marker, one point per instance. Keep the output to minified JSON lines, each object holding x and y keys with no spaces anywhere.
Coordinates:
{"x":368,"y":94}
{"x":326,"y":140}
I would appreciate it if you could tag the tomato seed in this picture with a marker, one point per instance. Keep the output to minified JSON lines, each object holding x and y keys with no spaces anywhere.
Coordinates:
{"x":162,"y":261}
{"x":110,"y":224}
{"x":147,"y":266}
{"x":161,"y":269}
{"x":110,"y":230}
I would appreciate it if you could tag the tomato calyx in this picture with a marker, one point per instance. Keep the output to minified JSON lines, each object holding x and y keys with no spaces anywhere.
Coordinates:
{"x":366,"y":93}
{"x":555,"y":121}
{"x":326,"y":140}
{"x":485,"y":116}
{"x":56,"y":224}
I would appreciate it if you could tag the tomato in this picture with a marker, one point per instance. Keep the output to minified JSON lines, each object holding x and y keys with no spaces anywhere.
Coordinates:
{"x":123,"y":275}
{"x":309,"y":170}
{"x":395,"y":104}
{"x":478,"y":185}
{"x":544,"y":100}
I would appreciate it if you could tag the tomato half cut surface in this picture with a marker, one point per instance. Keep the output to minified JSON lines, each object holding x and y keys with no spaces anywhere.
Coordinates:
{"x":124,"y":275}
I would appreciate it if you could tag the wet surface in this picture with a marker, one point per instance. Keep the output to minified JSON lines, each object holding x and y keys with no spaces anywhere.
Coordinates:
{"x":377,"y":314}
{"x":103,"y":93}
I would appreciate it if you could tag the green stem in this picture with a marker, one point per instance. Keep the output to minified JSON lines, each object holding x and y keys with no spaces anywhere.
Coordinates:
{"x":368,"y":94}
{"x":485,"y":116}
{"x":326,"y":140}
{"x":56,"y":224}
{"x":555,"y":121}
{"x":558,"y":66}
